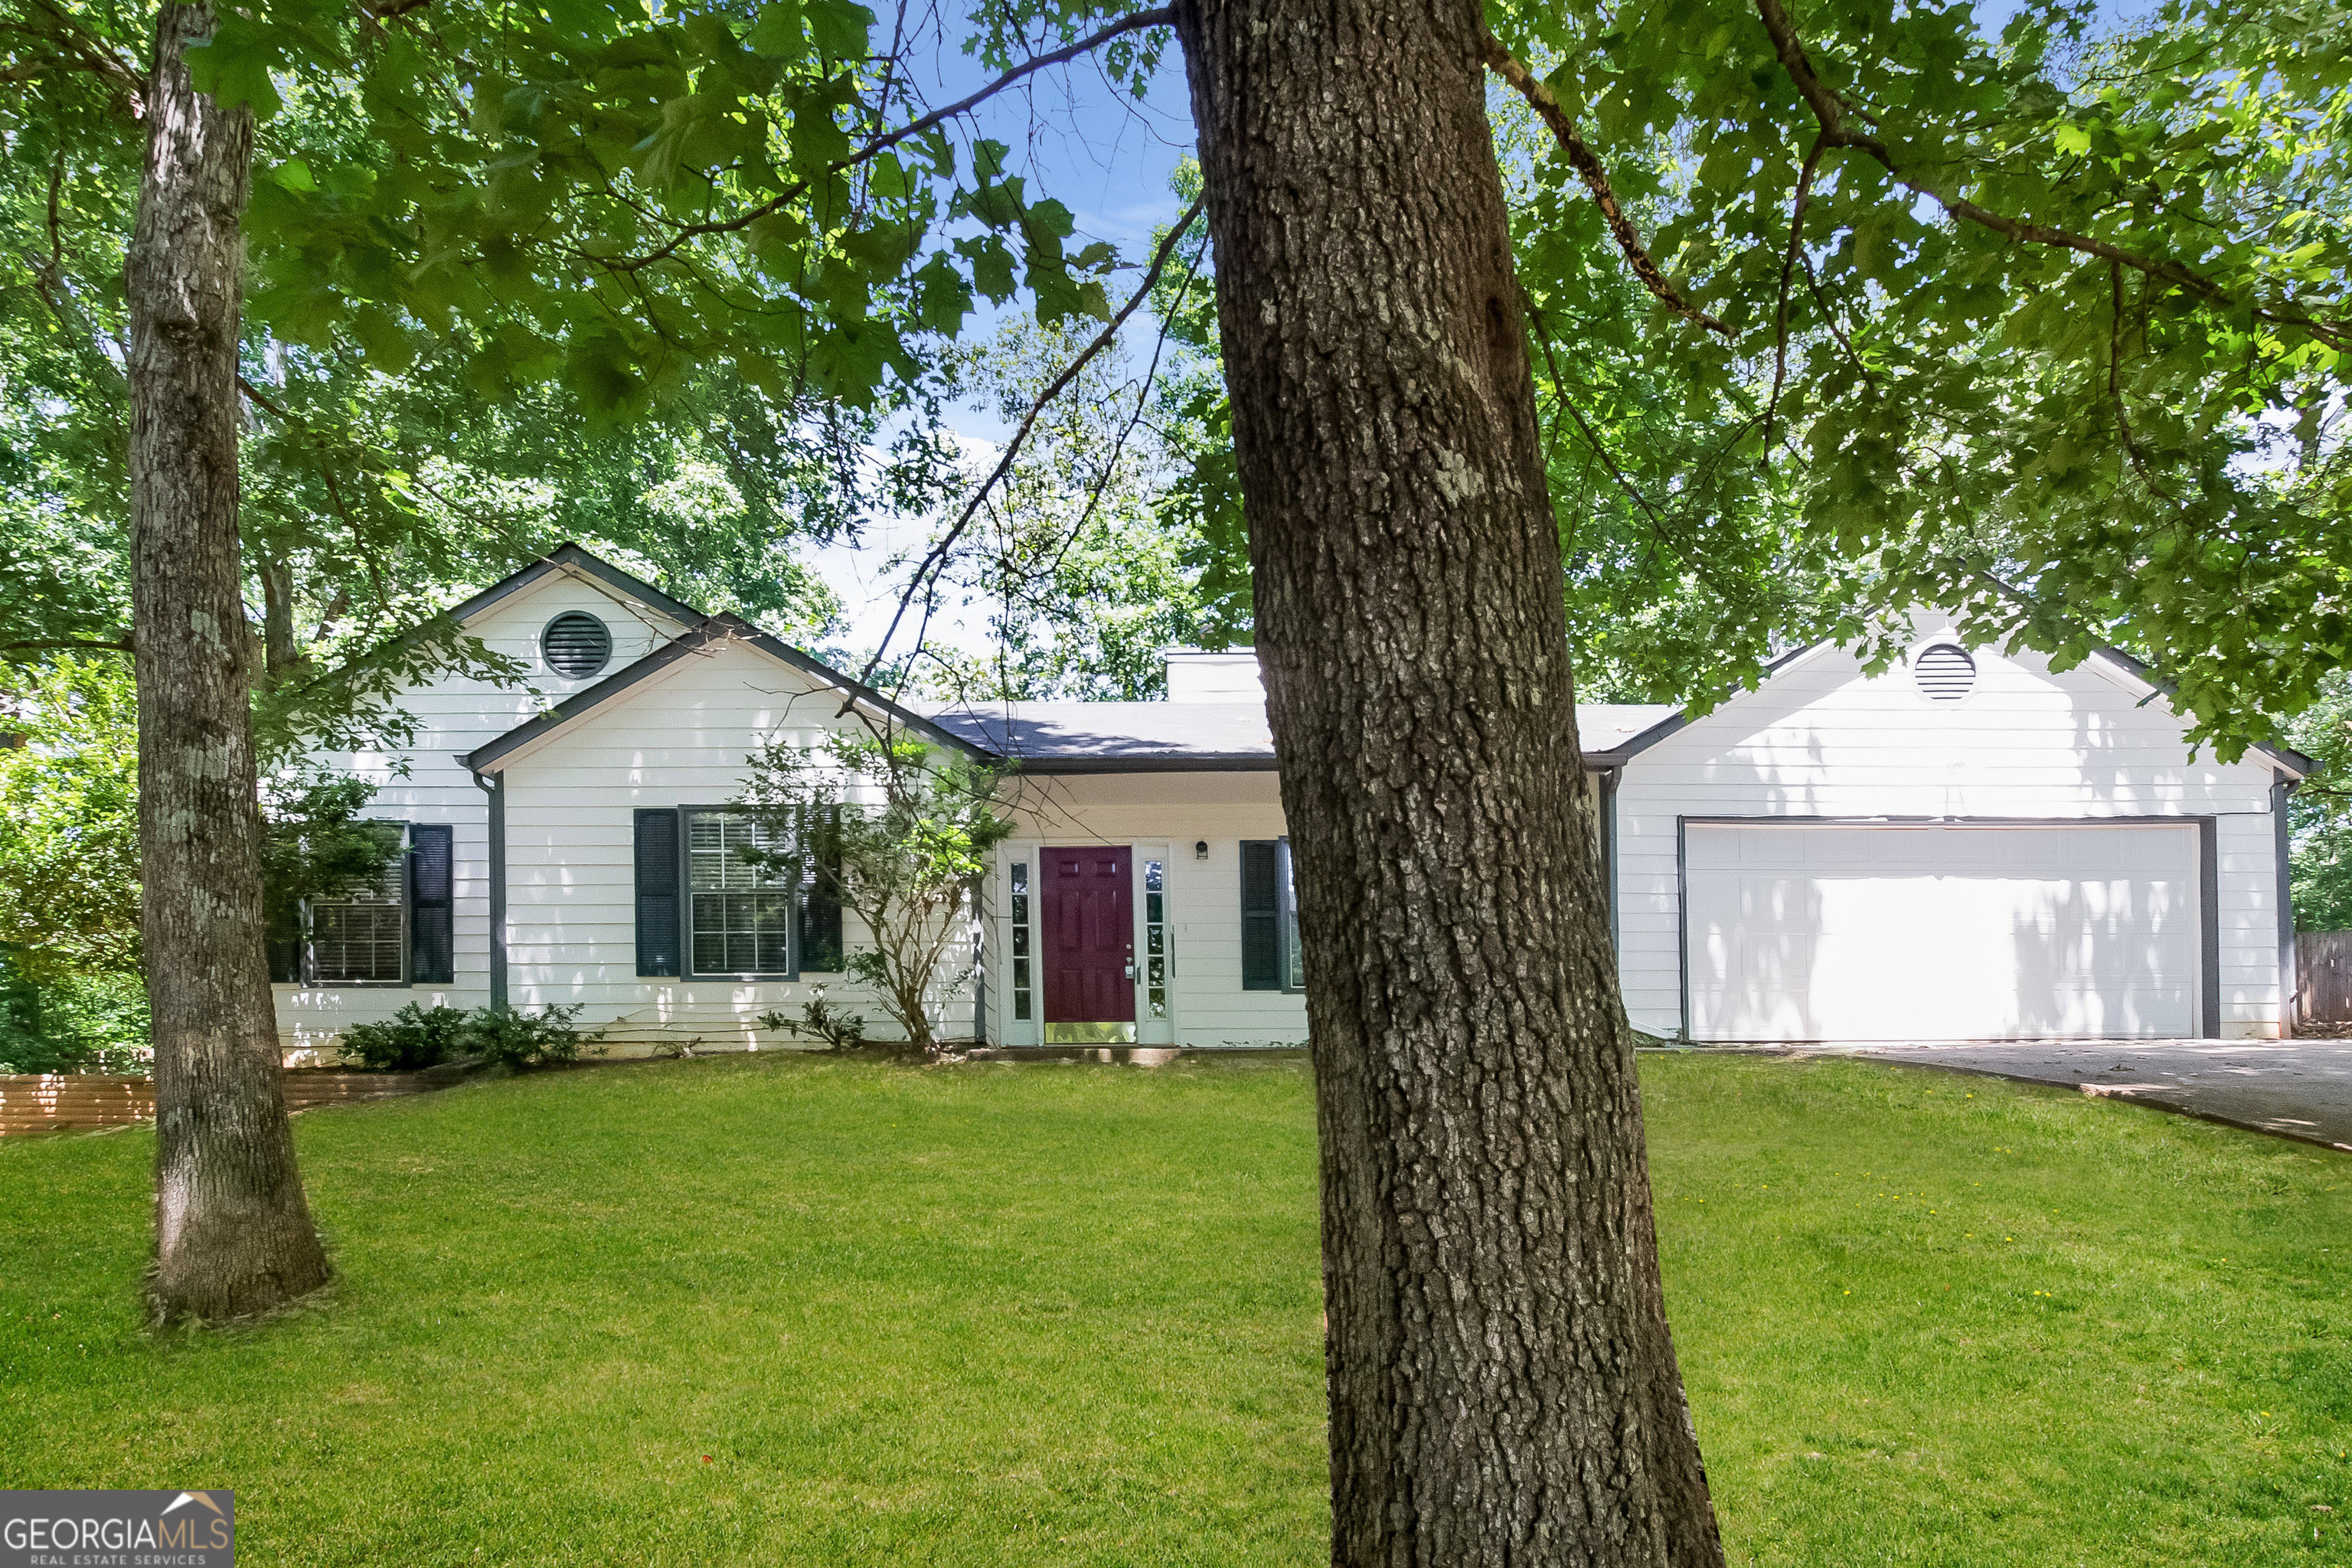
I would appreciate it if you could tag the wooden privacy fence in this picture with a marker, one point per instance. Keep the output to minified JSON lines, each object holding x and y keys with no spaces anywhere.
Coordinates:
{"x":2323,"y":989}
{"x":55,"y":1104}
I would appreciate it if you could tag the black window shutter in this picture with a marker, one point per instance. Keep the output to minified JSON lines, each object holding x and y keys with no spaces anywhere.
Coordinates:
{"x":1261,"y":916}
{"x":821,"y":951}
{"x":285,"y":943}
{"x":431,"y":958}
{"x":657,"y":938}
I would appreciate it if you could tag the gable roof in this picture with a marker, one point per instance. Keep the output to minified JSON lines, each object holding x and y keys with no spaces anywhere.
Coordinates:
{"x":1085,"y":737}
{"x":571,"y":557}
{"x":1671,"y":716}
{"x":2285,"y":759}
{"x":703,"y":631}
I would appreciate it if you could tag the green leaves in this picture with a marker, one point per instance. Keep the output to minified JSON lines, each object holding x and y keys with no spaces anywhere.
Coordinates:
{"x":2069,"y":443}
{"x":839,"y":28}
{"x":2073,"y":367}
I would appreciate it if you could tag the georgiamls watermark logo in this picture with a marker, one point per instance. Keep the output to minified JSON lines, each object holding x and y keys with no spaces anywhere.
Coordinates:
{"x":117,"y":1530}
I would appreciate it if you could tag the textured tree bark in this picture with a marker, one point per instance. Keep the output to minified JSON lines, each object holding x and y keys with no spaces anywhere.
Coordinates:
{"x":233,"y":1234}
{"x":279,"y":653}
{"x":1503,"y":1388}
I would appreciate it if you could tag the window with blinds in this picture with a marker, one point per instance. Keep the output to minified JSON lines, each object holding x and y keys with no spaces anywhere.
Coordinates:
{"x":362,"y":938}
{"x":740,"y":914}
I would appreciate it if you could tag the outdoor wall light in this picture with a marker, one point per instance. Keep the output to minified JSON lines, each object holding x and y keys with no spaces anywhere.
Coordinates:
{"x":1200,"y":850}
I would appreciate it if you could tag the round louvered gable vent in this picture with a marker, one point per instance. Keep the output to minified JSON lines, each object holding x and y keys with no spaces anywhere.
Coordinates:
{"x":1944,"y":673}
{"x":576,"y":645}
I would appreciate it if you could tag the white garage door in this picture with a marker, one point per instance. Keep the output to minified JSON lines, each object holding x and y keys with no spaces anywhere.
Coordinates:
{"x":1817,"y":933}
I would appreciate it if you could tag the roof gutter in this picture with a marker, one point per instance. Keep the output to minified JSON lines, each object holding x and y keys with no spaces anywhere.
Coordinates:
{"x":1215,"y":763}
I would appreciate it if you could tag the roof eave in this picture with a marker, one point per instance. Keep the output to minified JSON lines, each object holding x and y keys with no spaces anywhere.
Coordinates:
{"x":2285,"y":759}
{"x":1235,"y":763}
{"x":573,"y":557}
{"x":1242,"y":763}
{"x":493,"y":755}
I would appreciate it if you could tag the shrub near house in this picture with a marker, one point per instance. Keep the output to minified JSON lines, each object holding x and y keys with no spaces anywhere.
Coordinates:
{"x":418,"y":1038}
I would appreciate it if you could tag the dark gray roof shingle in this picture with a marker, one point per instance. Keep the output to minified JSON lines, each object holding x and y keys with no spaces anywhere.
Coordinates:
{"x":1169,"y":737}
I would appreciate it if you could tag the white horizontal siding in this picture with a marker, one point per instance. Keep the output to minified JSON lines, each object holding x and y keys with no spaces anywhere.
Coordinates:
{"x":422,"y":782}
{"x":1824,"y":739}
{"x":679,"y":738}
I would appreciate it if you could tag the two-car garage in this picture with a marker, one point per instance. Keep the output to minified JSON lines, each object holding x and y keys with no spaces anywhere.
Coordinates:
{"x":1814,"y":929}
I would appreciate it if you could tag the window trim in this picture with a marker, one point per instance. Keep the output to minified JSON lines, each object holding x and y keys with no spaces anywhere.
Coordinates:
{"x":686,"y":969}
{"x":308,"y":968}
{"x":1285,"y":920}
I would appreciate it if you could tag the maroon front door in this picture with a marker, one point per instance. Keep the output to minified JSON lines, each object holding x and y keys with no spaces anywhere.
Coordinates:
{"x":1089,"y":935}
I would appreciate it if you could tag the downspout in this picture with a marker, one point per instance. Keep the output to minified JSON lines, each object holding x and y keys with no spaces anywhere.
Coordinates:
{"x":2290,"y":962}
{"x":494,"y":785}
{"x":1609,"y":780}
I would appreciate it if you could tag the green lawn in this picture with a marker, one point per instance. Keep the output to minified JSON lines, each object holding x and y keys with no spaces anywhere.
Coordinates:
{"x":791,"y":1310}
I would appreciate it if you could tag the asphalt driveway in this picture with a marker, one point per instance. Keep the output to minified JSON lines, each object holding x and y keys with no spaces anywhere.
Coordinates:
{"x":2301,"y":1089}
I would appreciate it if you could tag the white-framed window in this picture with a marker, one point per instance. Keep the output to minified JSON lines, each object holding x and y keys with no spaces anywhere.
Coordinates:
{"x":361,"y":937}
{"x":1024,"y":959}
{"x":1155,"y":939}
{"x":740,"y":914}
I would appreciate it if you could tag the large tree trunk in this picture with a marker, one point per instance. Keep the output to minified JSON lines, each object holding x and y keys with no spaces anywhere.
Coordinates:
{"x":233,"y":1235}
{"x":1503,"y":1389}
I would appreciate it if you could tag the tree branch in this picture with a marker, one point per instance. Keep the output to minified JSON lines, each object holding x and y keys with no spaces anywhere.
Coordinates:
{"x":30,"y":644}
{"x":883,"y":143}
{"x":1788,"y":270}
{"x":1694,"y":554}
{"x":79,"y":49}
{"x":326,"y":472}
{"x":1829,"y":317}
{"x":936,"y":557}
{"x":254,"y":393}
{"x":1143,"y":401}
{"x":1503,"y":63}
{"x":2116,"y":388}
{"x":1830,"y":110}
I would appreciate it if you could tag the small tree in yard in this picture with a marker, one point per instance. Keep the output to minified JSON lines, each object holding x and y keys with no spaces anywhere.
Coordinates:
{"x":893,"y":832}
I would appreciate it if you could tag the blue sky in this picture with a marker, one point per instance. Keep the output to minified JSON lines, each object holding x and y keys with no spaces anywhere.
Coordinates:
{"x":1106,"y":156}
{"x":1080,"y":138}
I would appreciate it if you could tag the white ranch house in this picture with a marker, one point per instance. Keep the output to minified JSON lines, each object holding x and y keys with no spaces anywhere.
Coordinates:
{"x":1963,"y":848}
